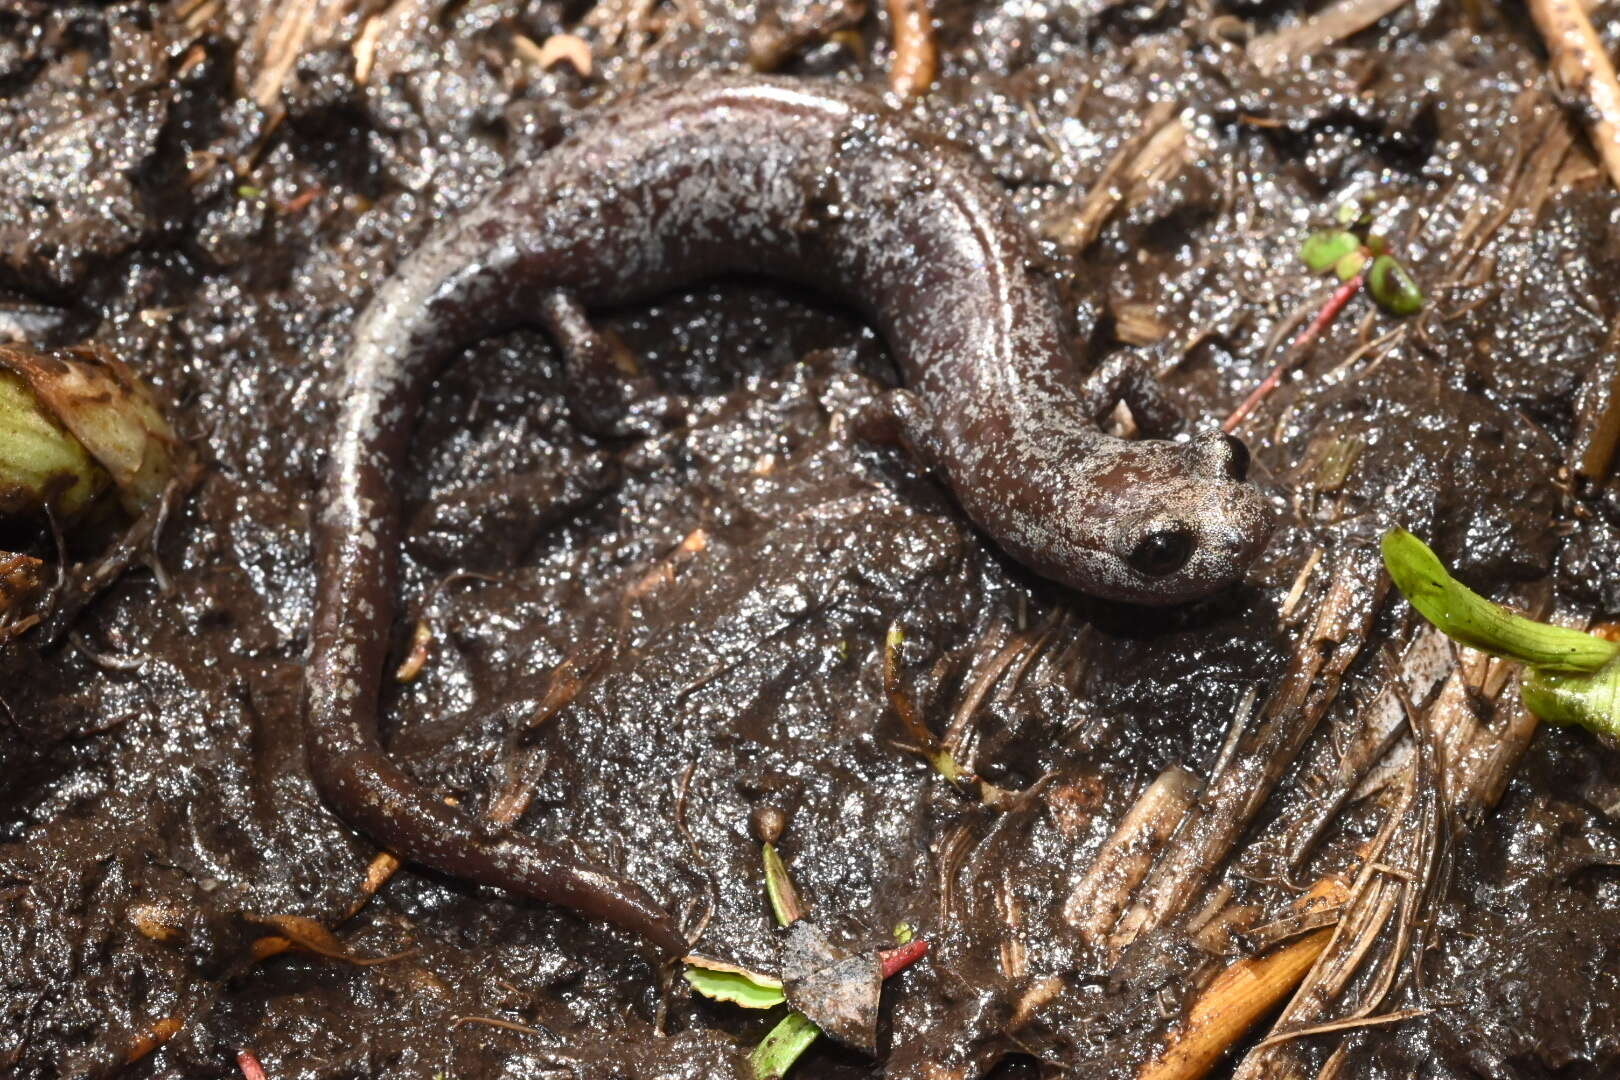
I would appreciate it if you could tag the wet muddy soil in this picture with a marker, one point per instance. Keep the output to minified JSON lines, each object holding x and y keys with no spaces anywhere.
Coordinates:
{"x":214,"y":191}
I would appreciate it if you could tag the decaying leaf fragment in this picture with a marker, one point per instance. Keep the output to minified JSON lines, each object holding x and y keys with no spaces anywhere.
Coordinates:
{"x":74,"y":423}
{"x":837,"y":989}
{"x":21,"y":579}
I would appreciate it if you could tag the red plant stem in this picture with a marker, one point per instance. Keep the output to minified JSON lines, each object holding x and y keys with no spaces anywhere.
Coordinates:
{"x":1330,"y":311}
{"x":894,"y":961}
{"x":249,"y":1064}
{"x":1296,"y":350}
{"x":301,"y":200}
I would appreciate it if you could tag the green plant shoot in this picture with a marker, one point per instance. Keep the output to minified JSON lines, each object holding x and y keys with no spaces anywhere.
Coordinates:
{"x":1573,"y":677}
{"x":781,"y":1047}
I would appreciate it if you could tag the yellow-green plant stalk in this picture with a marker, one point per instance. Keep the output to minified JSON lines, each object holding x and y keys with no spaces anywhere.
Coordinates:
{"x":41,"y":463}
{"x":1592,"y":701}
{"x":1572,"y":677}
{"x":73,"y":424}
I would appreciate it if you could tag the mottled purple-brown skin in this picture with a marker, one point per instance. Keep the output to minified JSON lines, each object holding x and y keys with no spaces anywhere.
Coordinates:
{"x":808,"y":182}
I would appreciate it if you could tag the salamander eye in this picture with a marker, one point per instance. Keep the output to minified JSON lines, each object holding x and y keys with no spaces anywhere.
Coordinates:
{"x":1162,"y":551}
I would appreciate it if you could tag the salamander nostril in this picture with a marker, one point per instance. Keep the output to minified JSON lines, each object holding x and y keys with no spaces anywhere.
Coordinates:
{"x":1237,"y":465}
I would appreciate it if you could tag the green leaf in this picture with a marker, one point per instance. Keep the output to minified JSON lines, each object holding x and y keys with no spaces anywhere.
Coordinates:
{"x":903,"y":933}
{"x":1393,"y":287}
{"x":1351,"y":265}
{"x":1469,"y":618}
{"x":782,"y":1045}
{"x":1323,"y":249}
{"x":727,"y":982}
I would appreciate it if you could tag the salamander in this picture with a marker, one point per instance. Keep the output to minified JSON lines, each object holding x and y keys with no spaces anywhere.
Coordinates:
{"x":811,"y":183}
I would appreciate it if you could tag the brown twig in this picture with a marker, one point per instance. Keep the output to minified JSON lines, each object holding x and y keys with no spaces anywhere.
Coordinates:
{"x":504,"y":1025}
{"x":364,"y":48}
{"x":383,"y":866}
{"x":1581,"y":65}
{"x":571,"y":49}
{"x":1343,"y":1025}
{"x":1536,"y":156}
{"x":1334,"y":774}
{"x":1457,"y":767}
{"x":1239,"y":996}
{"x":280,"y":37}
{"x":1482,"y":751}
{"x":248,"y":1062}
{"x":1123,"y":861}
{"x":417,"y":657}
{"x":150,"y":1039}
{"x":1334,"y":23}
{"x":1159,"y":138}
{"x":1597,"y":421}
{"x":1001,"y":675}
{"x":299,"y":932}
{"x":1268,"y":747}
{"x":915,"y":62}
{"x":956,"y":732}
{"x":773,"y":43}
{"x":21,"y":580}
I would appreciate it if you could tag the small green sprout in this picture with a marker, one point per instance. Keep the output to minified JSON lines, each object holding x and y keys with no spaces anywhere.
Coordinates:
{"x":1353,"y":251}
{"x":1573,"y":677}
{"x":1358,"y":213}
{"x":779,"y":888}
{"x":1323,"y":250}
{"x":1351,"y":265}
{"x":795,"y":1032}
{"x":1393,"y":287}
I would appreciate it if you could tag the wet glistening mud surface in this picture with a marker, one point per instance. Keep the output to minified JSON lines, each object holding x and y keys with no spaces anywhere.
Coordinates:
{"x":660,"y":647}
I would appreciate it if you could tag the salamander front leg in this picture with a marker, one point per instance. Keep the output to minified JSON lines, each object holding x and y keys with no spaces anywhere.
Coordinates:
{"x":1127,"y":377}
{"x":899,"y":418}
{"x":608,"y":393}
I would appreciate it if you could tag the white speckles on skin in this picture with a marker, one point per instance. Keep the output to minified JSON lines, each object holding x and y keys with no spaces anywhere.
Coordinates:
{"x":813,"y":183}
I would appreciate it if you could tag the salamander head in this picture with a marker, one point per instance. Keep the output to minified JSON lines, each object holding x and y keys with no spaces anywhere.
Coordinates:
{"x":1154,"y":522}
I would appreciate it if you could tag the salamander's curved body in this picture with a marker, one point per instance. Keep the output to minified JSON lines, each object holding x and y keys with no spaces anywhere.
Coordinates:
{"x":811,"y":183}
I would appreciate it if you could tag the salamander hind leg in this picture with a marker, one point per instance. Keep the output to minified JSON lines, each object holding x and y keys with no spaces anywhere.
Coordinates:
{"x":1127,"y":377}
{"x":608,"y":393}
{"x":899,"y":418}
